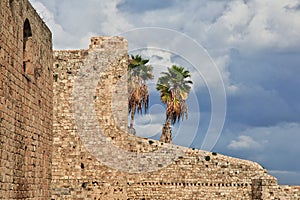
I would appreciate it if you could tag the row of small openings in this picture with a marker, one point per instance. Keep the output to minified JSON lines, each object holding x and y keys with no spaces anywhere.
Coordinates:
{"x":140,"y":199}
{"x":196,"y":184}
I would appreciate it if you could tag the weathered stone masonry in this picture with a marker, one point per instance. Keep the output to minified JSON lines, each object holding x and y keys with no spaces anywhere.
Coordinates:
{"x":194,"y":175}
{"x":26,"y":102}
{"x":42,"y":155}
{"x":74,"y":171}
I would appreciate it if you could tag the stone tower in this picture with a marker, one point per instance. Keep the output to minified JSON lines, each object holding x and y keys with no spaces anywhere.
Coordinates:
{"x":26,"y":102}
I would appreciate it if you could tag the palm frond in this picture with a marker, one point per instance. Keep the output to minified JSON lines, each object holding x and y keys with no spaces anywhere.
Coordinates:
{"x":138,"y":92}
{"x":174,"y":87}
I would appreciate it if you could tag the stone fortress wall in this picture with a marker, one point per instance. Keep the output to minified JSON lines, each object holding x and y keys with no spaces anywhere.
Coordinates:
{"x":43,"y":153}
{"x":26,"y":102}
{"x":195,"y":174}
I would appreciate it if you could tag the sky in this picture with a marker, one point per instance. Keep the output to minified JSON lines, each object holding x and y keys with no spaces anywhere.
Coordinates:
{"x":243,"y":56}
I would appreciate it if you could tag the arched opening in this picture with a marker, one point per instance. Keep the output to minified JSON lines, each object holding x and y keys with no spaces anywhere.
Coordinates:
{"x":27,"y":29}
{"x":27,"y":49}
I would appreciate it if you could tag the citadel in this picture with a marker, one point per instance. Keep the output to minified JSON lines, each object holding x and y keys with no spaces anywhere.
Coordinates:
{"x":44,"y":153}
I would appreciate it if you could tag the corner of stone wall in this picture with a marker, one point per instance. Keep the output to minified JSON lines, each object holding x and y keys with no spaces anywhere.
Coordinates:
{"x":73,"y":164}
{"x":267,"y":187}
{"x":263,"y":187}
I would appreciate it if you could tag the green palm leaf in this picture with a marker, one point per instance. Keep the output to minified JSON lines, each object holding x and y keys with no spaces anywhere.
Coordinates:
{"x":138,"y":92}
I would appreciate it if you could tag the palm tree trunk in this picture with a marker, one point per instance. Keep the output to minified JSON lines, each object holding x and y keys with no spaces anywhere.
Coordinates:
{"x":132,"y":116}
{"x":166,"y":135}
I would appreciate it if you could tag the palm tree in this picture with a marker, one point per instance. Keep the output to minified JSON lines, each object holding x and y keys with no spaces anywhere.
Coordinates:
{"x":138,"y":92}
{"x":174,"y":87}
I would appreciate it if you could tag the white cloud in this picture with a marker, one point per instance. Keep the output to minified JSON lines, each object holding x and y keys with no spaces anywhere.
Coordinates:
{"x":244,"y":142}
{"x":159,"y":59}
{"x":258,"y":25}
{"x":62,"y":39}
{"x":150,"y":124}
{"x":72,"y":22}
{"x":268,"y":137}
{"x":282,"y":172}
{"x":275,"y":147}
{"x":249,"y":26}
{"x":115,"y":22}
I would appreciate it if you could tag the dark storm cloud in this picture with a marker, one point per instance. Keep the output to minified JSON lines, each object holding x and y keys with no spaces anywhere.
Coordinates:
{"x":268,"y":89}
{"x":295,"y":7}
{"x":138,"y":6}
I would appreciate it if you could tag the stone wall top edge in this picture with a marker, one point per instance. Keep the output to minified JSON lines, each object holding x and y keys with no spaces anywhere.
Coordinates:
{"x":70,"y":54}
{"x":43,"y":23}
{"x":69,"y":50}
{"x":108,"y":37}
{"x":108,"y":42}
{"x":93,"y":39}
{"x":197,"y":152}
